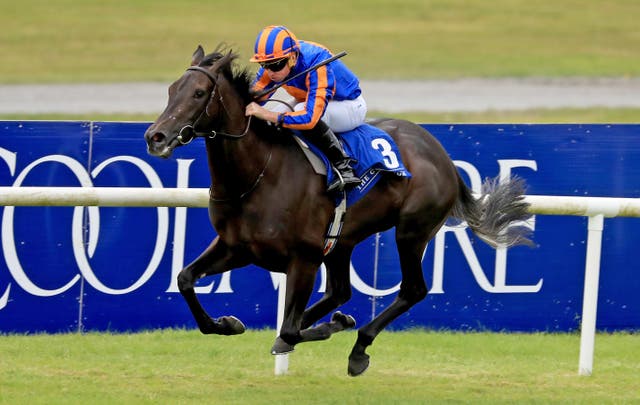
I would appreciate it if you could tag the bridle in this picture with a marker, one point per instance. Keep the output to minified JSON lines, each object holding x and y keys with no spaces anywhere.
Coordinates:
{"x":190,"y":128}
{"x":212,"y":134}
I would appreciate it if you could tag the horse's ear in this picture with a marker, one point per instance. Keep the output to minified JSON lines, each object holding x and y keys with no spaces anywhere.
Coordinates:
{"x":224,"y":61}
{"x":198,"y":55}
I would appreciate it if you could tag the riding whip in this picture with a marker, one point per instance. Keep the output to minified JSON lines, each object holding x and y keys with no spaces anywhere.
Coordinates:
{"x":314,"y":67}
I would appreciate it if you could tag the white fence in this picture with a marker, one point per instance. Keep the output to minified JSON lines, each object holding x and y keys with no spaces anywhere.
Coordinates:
{"x":596,"y":208}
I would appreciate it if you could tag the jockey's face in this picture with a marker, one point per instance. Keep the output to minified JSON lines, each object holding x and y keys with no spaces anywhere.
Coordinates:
{"x":279,"y":71}
{"x":279,"y":75}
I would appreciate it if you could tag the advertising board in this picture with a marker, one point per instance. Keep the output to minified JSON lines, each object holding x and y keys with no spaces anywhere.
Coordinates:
{"x":114,"y":268}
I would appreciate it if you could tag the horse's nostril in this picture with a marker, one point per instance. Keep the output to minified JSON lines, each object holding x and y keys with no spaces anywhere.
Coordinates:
{"x":158,"y":137}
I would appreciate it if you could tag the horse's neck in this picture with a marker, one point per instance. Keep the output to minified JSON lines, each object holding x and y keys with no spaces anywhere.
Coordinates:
{"x":235,"y":164}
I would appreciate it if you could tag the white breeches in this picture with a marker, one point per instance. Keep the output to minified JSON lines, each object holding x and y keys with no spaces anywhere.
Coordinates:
{"x":340,"y":116}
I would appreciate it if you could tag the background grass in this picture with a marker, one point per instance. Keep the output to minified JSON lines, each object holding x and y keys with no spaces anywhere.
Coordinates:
{"x":178,"y":366}
{"x":563,"y":115}
{"x":152,"y":40}
{"x":48,"y":41}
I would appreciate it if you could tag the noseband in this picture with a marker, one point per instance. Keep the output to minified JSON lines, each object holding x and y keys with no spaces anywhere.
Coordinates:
{"x":190,"y":128}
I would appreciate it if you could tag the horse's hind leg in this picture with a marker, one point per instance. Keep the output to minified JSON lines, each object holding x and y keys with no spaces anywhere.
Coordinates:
{"x":216,"y":259}
{"x":337,"y":293}
{"x":412,"y":290}
{"x":338,"y":289}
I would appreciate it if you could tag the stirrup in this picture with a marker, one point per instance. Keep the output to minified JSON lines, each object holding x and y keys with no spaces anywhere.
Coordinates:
{"x":341,"y":183}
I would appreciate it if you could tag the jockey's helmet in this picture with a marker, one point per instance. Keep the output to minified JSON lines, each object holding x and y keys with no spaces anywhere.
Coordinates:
{"x":274,"y":42}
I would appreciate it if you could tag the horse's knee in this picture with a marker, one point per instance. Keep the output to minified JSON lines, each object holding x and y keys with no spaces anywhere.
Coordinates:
{"x":421,"y":293}
{"x":185,"y":280}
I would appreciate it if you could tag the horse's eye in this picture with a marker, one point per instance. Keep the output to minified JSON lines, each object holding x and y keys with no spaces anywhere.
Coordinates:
{"x":199,"y":93}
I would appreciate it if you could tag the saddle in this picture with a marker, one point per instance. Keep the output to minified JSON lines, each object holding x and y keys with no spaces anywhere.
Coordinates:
{"x":373,"y":151}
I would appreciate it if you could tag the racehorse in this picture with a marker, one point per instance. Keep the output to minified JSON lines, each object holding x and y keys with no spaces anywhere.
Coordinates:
{"x":269,"y":207}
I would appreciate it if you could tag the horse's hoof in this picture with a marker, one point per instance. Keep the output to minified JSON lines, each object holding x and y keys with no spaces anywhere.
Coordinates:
{"x":358,"y":364}
{"x":281,"y":347}
{"x":230,"y":325}
{"x":347,"y":321}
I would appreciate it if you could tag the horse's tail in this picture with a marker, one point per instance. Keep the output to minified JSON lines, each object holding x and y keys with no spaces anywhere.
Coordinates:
{"x":499,"y":205}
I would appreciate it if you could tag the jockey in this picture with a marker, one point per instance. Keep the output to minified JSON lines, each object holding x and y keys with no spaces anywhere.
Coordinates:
{"x":328,"y":98}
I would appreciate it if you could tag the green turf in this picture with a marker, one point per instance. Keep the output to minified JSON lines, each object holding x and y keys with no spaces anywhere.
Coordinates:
{"x":563,"y":115}
{"x":177,"y":366}
{"x":152,"y":40}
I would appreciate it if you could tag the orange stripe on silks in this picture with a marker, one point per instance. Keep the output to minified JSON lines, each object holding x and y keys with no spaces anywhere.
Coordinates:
{"x":318,"y":110}
{"x":296,"y":93}
{"x":277,"y":44}
{"x":262,"y":45}
{"x":319,"y":102}
{"x":321,"y":95}
{"x":323,"y":80}
{"x":318,"y":107}
{"x":305,"y":126}
{"x":301,"y":127}
{"x":261,"y":84}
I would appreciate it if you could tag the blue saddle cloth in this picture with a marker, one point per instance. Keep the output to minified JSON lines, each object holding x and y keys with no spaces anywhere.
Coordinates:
{"x":375,"y":152}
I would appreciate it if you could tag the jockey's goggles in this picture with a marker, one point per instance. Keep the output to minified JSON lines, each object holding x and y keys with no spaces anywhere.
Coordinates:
{"x":275,"y":66}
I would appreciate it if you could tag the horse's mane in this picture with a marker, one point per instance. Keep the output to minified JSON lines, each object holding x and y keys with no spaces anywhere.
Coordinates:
{"x":241,"y":79}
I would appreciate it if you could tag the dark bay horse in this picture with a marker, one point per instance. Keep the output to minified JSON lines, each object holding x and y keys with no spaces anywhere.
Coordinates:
{"x":269,"y":207}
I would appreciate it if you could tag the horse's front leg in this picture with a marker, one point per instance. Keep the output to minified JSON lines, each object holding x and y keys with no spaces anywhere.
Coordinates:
{"x":217,"y":258}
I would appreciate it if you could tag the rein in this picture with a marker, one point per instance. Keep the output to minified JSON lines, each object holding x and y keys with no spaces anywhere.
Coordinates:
{"x":190,"y":128}
{"x":253,"y":186}
{"x":212,"y":134}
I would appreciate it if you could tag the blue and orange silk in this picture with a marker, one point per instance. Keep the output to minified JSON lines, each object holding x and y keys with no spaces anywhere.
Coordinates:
{"x":274,"y":42}
{"x":329,"y":82}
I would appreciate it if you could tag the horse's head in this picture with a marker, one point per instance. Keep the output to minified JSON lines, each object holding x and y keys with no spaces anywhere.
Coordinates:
{"x":194,"y":104}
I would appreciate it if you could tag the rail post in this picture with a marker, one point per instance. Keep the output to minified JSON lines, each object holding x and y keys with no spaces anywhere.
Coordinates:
{"x":282,"y":360}
{"x":590,"y":299}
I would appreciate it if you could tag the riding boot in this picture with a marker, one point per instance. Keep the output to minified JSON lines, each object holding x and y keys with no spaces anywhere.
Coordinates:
{"x":323,"y":137}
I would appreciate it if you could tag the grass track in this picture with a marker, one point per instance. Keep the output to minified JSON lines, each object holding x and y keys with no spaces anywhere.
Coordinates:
{"x":178,"y":366}
{"x":152,"y":40}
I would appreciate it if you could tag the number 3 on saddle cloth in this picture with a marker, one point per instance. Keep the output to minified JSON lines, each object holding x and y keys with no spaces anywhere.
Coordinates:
{"x":374,"y":152}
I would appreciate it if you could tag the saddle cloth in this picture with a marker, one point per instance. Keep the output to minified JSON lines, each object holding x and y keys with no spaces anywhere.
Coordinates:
{"x":374,"y":151}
